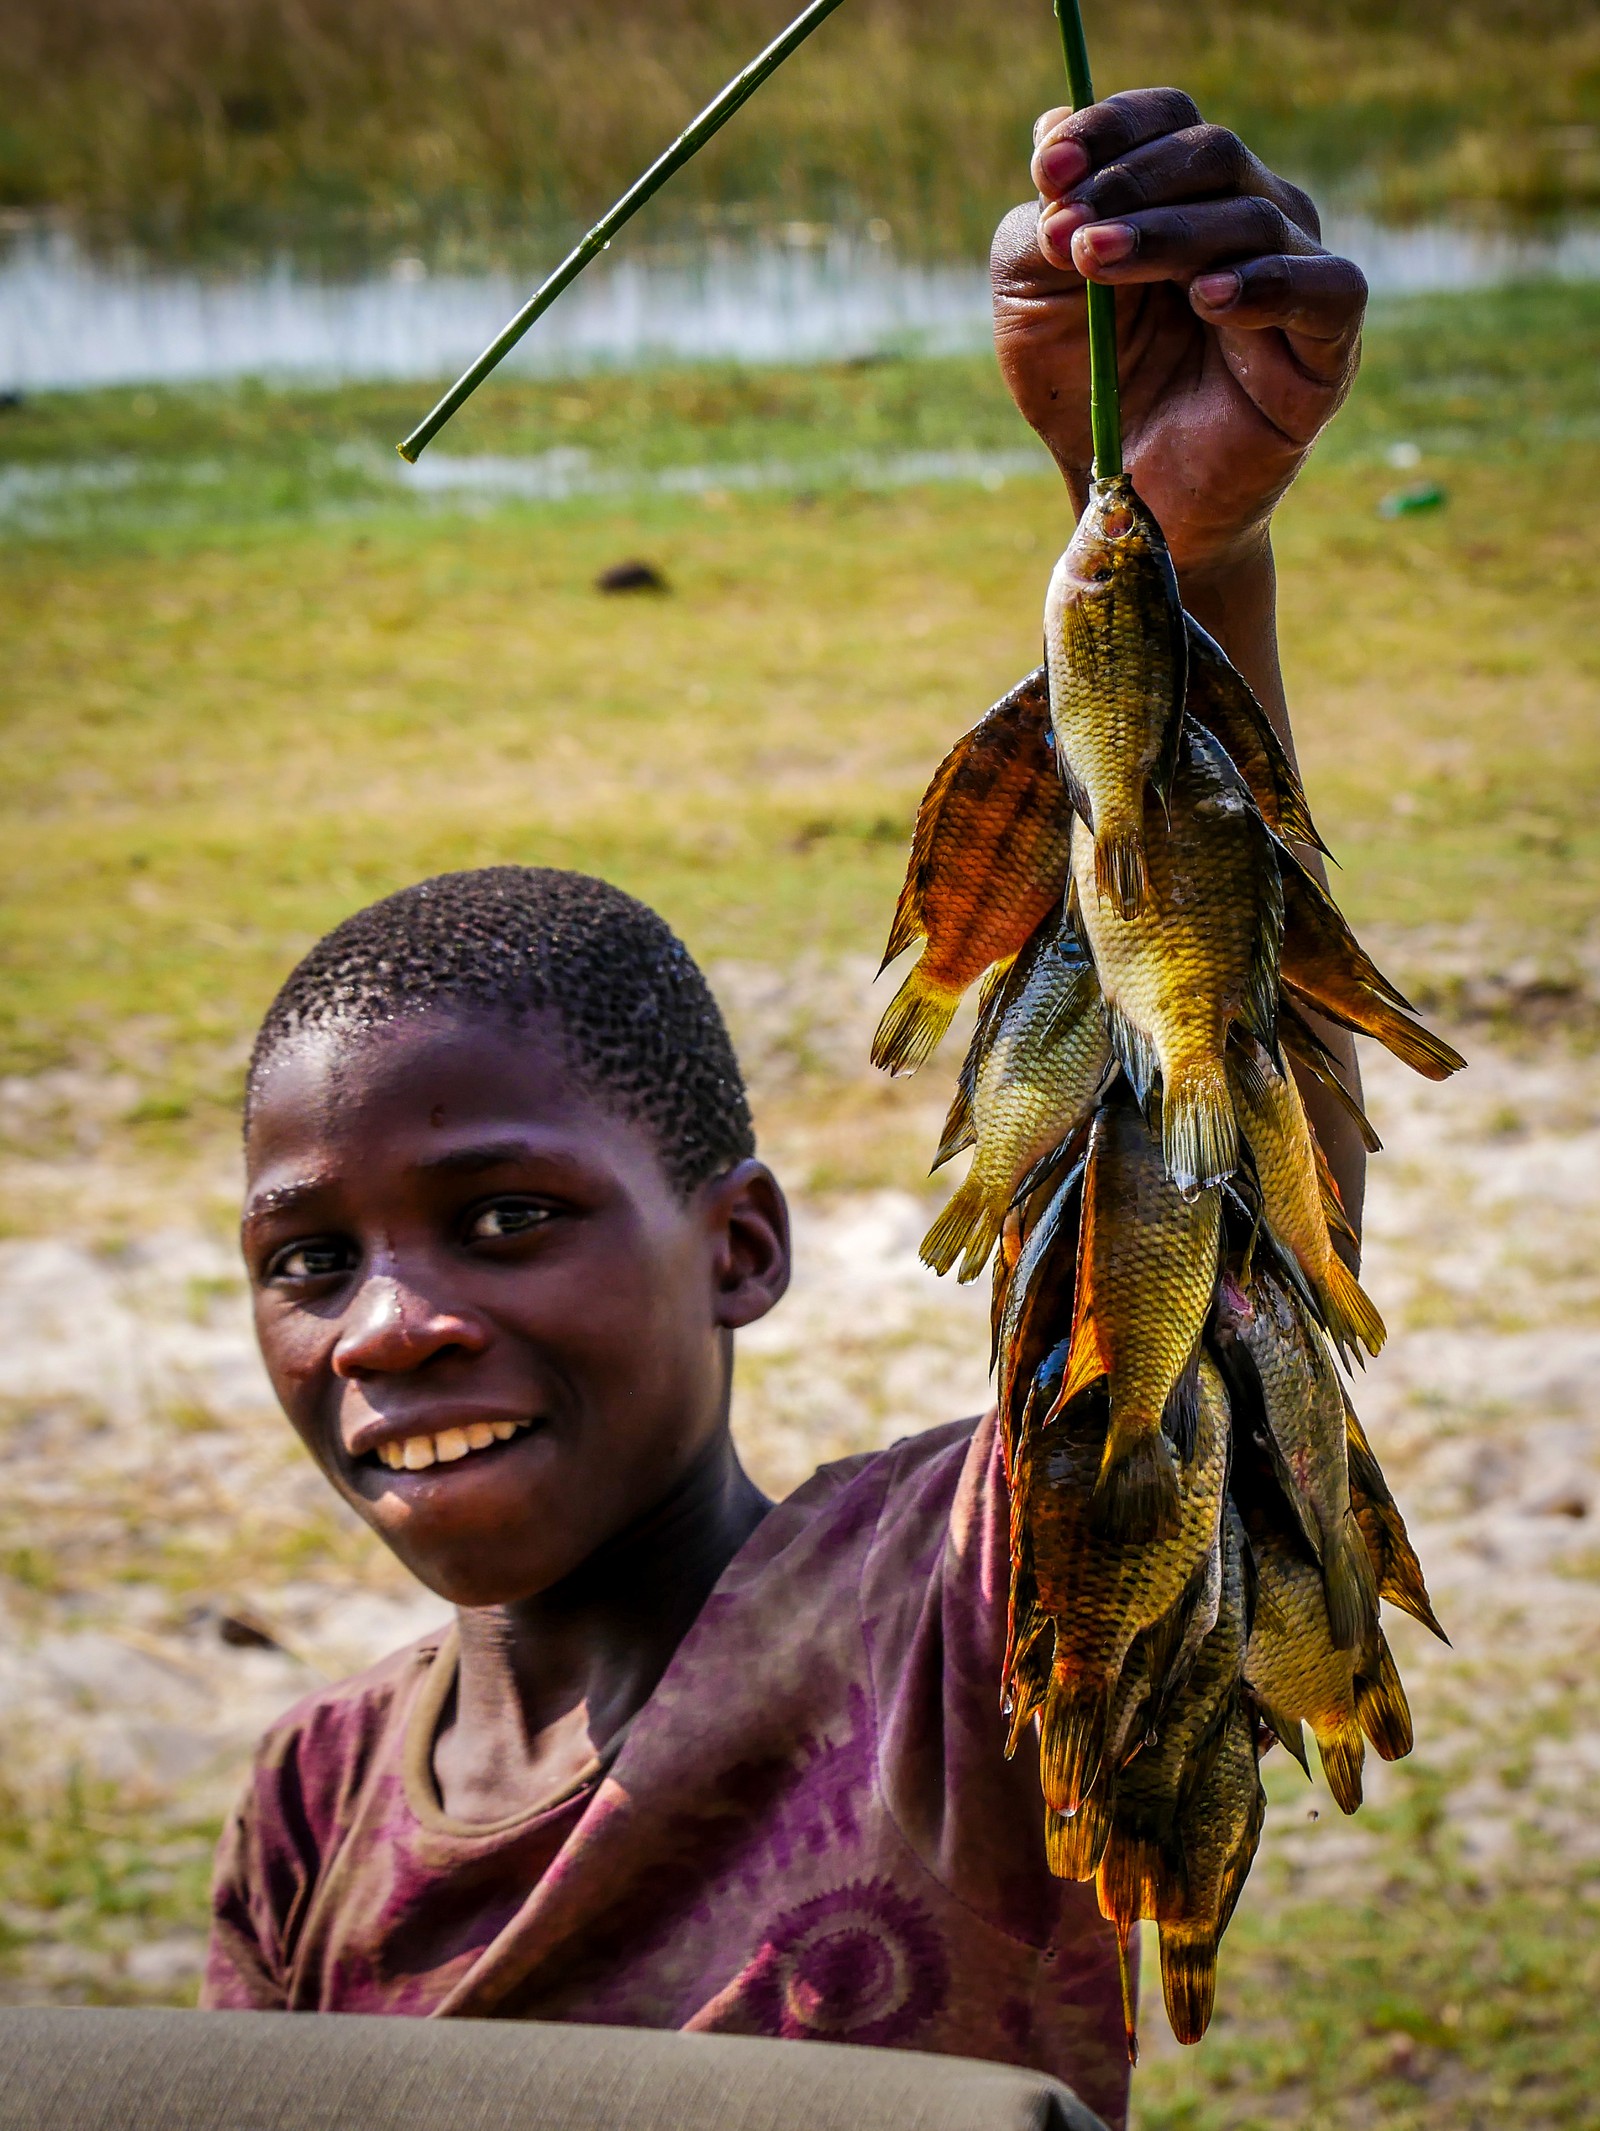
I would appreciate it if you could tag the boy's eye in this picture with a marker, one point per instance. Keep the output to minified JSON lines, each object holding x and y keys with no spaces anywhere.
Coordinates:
{"x":506,"y":1217}
{"x":319,"y":1259}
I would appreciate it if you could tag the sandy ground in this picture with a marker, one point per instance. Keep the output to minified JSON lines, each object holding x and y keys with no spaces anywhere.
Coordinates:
{"x":174,"y":1576}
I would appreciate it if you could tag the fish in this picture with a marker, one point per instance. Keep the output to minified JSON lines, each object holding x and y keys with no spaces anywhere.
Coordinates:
{"x":1303,"y":1404}
{"x":1222,"y":700}
{"x":1148,"y":1791}
{"x":1399,"y":1573}
{"x":1116,"y":649}
{"x":988,"y":863}
{"x":1325,"y":967}
{"x":1035,"y":1076}
{"x":1307,"y":1049}
{"x":1219,"y":1830}
{"x":1201,"y":960}
{"x":1294,"y":1667}
{"x":1103,"y":1593}
{"x":1297,"y":1195}
{"x":1146,"y":1275}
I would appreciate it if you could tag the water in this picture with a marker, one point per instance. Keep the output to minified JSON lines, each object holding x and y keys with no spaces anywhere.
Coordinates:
{"x":801,"y":294}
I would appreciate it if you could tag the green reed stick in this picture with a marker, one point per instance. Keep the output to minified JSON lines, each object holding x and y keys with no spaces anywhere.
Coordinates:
{"x":689,"y":143}
{"x":1105,"y":397}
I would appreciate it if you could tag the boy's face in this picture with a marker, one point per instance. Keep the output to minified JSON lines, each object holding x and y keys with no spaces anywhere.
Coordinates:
{"x":462,"y":1261}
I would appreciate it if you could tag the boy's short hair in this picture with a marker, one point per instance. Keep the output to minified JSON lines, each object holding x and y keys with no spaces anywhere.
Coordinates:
{"x":505,"y":942}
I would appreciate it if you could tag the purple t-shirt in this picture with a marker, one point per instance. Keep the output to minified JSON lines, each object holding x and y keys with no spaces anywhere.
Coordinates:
{"x":809,"y":1830}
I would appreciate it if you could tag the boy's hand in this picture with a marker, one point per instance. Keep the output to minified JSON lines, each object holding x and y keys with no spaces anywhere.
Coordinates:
{"x":1239,"y":335}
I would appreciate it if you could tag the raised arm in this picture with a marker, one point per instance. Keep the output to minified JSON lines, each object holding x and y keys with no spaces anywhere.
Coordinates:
{"x":1239,"y":335}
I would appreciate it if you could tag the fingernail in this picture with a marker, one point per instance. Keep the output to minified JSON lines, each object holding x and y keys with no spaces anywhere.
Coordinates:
{"x":1062,"y":165}
{"x":1056,"y":226}
{"x":1105,"y":243}
{"x":1215,"y":291}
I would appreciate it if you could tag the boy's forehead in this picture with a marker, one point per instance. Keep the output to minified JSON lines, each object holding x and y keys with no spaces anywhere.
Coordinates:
{"x":421,"y":1072}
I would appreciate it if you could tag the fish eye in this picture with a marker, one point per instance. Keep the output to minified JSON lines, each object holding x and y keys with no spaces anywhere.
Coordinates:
{"x":320,"y":1258}
{"x":506,"y":1218}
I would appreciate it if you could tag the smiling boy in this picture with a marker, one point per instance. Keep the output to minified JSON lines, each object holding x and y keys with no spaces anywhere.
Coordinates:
{"x":687,"y":1759}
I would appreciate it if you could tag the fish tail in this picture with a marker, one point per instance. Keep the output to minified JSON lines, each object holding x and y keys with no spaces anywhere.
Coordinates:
{"x":1410,"y":1042}
{"x":912,"y":1028}
{"x":1382,"y":1708}
{"x":1188,"y":1979}
{"x":1120,"y":874}
{"x":1074,"y":1843}
{"x":1199,"y":1132}
{"x":1342,"y":1753}
{"x":1351,"y":1315}
{"x":1351,"y":1586}
{"x":1129,"y":1873}
{"x":970,"y":1224}
{"x":1136,"y":1496}
{"x":1072,"y":1743}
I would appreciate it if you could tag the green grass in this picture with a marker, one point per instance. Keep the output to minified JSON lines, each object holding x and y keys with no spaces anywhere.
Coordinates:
{"x":203,"y":121}
{"x":228,"y":731}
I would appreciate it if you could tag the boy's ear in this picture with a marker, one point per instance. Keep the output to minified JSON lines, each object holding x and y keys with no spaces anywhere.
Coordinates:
{"x":749,"y":1219}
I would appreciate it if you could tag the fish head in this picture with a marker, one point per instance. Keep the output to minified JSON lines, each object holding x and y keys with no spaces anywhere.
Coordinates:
{"x":1116,"y":539}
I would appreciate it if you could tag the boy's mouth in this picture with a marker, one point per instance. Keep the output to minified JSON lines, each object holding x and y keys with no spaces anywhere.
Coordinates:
{"x":415,"y":1453}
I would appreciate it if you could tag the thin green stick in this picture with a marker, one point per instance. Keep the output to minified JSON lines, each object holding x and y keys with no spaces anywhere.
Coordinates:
{"x":689,"y":143}
{"x":1105,"y":397}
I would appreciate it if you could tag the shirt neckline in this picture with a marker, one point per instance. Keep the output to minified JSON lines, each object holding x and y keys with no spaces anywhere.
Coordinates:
{"x":421,"y":1734}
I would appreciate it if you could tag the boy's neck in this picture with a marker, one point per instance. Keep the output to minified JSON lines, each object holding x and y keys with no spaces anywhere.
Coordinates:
{"x":545,"y":1684}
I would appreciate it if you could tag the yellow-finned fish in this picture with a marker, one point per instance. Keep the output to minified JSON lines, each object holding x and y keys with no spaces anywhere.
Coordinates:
{"x":1399,"y":1572}
{"x":1325,"y":967}
{"x":1147,"y":1272}
{"x":1103,"y":1593}
{"x":1297,"y":1196}
{"x":1222,"y":700}
{"x":1200,"y":960}
{"x":1143,"y":1852}
{"x":1031,"y":1079}
{"x":1298,"y":1675}
{"x":1219,"y":1830}
{"x":988,"y":864}
{"x":1117,"y":654}
{"x":1306,"y":1436}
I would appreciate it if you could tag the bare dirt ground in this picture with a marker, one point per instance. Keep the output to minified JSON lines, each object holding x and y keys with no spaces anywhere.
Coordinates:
{"x":172,"y":1576}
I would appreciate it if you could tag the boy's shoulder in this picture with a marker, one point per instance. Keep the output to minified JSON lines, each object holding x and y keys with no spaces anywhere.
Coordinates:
{"x":323,"y":1747}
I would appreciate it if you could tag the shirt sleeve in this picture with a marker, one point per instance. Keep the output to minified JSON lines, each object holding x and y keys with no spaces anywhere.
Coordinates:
{"x":244,"y":1967}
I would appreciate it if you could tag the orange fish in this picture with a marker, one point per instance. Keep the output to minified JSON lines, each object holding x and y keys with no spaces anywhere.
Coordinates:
{"x":988,"y":863}
{"x":1222,"y":700}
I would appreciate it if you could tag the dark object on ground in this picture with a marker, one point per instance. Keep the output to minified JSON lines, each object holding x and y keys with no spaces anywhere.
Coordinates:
{"x":10,"y":402}
{"x":243,"y":1631}
{"x":93,"y":2069}
{"x":631,"y":576}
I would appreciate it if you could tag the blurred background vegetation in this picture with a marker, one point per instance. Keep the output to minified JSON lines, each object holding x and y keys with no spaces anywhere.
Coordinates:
{"x":193,"y":122}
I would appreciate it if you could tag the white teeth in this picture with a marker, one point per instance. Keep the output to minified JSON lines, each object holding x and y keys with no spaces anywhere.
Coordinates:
{"x":417,"y":1452}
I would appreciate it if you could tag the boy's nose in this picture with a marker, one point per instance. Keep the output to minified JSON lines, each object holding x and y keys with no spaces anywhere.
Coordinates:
{"x":392,"y":1329}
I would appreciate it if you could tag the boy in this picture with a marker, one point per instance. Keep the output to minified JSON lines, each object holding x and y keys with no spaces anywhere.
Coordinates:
{"x":686,"y":1758}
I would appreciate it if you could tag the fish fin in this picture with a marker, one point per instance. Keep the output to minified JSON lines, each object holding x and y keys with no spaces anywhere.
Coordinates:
{"x":1347,"y":1309}
{"x":970,"y":1224}
{"x":1341,"y":1753}
{"x":1072,"y":1740}
{"x":1288,"y":1731}
{"x":1260,"y":1006}
{"x":1027,"y":1682}
{"x":1073,"y":1843}
{"x":914,"y":1025}
{"x":1188,"y":1979}
{"x":1412,"y":1044}
{"x":1199,"y":1132}
{"x":1130,"y":2010}
{"x":1136,"y":1496}
{"x":1135,"y":1053}
{"x":1382,"y":1708}
{"x":1309,"y":1050}
{"x":1180,"y":1417}
{"x":960,"y":1133}
{"x":1120,"y":875}
{"x":906,"y":927}
{"x":1350,"y":1585}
